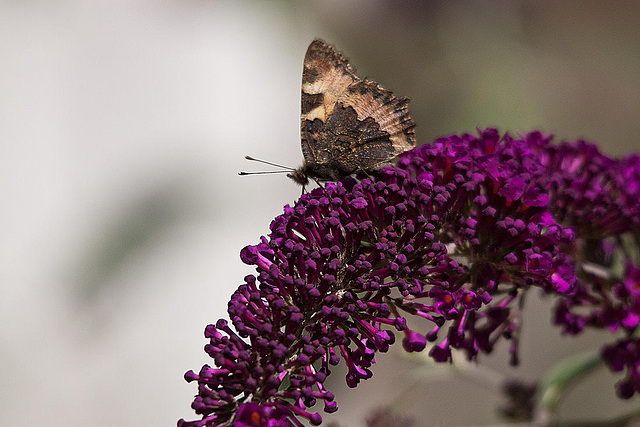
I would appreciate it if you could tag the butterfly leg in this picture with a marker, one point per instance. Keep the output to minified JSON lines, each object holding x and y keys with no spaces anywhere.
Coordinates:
{"x":318,"y":182}
{"x":362,"y":173}
{"x":323,"y":186}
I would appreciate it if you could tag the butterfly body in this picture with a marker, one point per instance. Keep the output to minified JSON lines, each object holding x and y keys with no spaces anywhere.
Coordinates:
{"x":347,"y":123}
{"x":329,"y":171}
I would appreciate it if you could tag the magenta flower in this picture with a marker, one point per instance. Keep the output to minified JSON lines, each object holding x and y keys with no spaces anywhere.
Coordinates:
{"x":455,"y":234}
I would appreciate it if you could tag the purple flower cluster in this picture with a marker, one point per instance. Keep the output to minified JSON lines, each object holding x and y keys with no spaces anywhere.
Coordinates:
{"x":600,"y":198}
{"x":454,"y":235}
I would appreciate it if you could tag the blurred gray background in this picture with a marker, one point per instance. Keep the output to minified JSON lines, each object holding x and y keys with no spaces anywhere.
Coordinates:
{"x":123,"y":125}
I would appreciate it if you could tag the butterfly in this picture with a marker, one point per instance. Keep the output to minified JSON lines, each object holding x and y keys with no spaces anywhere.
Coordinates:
{"x":348,"y":124}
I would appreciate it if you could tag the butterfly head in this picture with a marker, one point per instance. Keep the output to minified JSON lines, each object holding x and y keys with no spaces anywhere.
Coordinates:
{"x":299,"y":176}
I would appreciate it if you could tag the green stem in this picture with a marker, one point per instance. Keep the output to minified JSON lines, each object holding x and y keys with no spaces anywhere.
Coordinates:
{"x":564,"y":375}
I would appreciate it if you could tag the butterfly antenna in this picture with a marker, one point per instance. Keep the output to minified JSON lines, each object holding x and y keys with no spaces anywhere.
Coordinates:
{"x":260,"y":172}
{"x":269,"y":163}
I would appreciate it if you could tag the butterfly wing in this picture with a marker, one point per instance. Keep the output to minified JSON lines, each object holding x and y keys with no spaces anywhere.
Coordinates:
{"x":348,"y":123}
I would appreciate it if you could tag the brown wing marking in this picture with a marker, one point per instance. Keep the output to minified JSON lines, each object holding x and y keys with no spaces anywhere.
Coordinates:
{"x":368,"y":99}
{"x":310,"y":138}
{"x":351,"y":143}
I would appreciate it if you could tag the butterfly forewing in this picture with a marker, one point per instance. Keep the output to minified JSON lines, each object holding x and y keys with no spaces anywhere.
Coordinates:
{"x":325,"y":76}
